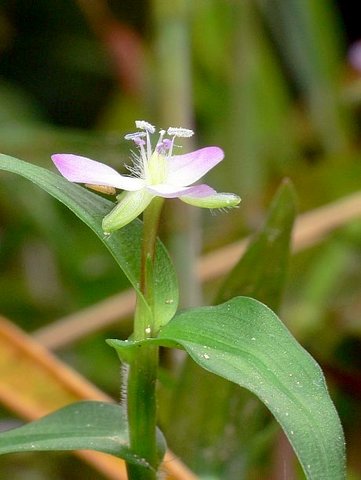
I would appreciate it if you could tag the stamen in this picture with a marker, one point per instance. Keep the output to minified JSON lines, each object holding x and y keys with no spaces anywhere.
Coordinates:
{"x":136,"y":168}
{"x":137,"y":138}
{"x":143,"y":125}
{"x":139,"y":141}
{"x":161,"y":135}
{"x":160,"y":144}
{"x":179,"y":132}
{"x":167,"y":143}
{"x":134,"y":136}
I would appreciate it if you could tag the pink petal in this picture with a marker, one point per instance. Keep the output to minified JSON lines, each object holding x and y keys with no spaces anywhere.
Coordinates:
{"x":187,"y":169}
{"x":170,"y":191}
{"x":83,"y":170}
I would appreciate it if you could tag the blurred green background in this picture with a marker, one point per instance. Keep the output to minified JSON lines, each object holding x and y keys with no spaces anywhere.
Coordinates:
{"x":267,"y":80}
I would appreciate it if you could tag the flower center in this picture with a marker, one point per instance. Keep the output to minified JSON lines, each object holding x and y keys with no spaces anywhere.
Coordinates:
{"x":156,"y":168}
{"x":152,"y":165}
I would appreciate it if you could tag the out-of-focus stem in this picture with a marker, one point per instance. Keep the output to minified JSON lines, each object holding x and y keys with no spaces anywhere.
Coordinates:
{"x":174,"y":103}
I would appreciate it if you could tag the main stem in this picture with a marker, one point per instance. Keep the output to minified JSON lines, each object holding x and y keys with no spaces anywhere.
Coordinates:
{"x":142,"y":377}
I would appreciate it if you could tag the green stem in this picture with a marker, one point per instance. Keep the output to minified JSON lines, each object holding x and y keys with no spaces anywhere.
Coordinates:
{"x":142,"y":377}
{"x":142,"y":412}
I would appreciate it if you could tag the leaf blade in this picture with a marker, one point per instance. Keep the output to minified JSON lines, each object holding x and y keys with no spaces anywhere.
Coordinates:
{"x":245,"y":342}
{"x":86,"y":425}
{"x":124,"y":245}
{"x":197,"y":437}
{"x":254,"y":275}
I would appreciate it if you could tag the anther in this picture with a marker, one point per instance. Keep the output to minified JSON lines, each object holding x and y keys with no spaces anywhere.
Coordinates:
{"x":167,"y":143}
{"x":134,"y":136}
{"x":179,"y":132}
{"x":143,"y":125}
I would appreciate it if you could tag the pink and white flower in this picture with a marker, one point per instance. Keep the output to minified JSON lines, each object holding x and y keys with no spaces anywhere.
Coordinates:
{"x":156,"y":172}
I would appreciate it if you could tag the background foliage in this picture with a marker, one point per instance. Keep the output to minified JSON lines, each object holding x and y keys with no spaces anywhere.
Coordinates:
{"x":270,"y":82}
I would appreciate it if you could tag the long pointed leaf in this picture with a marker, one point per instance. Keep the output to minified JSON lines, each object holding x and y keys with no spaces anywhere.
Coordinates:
{"x":245,"y":342}
{"x":199,"y":437}
{"x":87,"y":425}
{"x":125,"y":244}
{"x":255,"y":275}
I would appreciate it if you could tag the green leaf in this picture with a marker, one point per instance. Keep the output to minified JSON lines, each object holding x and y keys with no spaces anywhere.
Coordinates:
{"x":124,"y":245}
{"x":245,"y":342}
{"x":199,"y":437}
{"x":85,"y":425}
{"x":255,"y":275}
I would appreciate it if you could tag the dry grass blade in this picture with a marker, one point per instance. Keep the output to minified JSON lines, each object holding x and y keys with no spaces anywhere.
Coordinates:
{"x":310,"y":229}
{"x":34,"y":383}
{"x":88,"y":320}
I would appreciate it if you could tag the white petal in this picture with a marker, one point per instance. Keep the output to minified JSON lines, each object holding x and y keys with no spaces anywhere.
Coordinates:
{"x":84,"y":170}
{"x":187,"y":169}
{"x":171,"y":191}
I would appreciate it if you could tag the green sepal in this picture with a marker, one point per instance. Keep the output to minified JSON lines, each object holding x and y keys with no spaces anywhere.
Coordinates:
{"x":130,"y":206}
{"x":218,"y":200}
